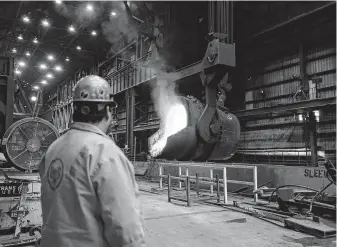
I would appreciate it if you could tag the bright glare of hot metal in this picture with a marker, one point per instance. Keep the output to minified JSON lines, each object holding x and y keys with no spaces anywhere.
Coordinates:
{"x":174,"y":121}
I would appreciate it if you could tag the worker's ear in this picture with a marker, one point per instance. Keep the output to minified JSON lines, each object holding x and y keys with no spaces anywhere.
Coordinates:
{"x":108,"y":113}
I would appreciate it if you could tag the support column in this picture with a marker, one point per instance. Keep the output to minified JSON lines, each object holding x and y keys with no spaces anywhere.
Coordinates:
{"x":303,"y":74}
{"x":313,"y":139}
{"x":130,"y":112}
{"x":9,"y":101}
{"x":25,"y":98}
{"x":7,"y":88}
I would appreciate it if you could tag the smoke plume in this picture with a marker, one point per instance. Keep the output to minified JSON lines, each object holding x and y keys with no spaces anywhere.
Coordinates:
{"x":164,"y":93}
{"x":117,"y":28}
{"x":113,"y":29}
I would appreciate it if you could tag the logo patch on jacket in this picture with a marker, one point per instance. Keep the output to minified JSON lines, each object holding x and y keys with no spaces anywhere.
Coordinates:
{"x":55,"y":173}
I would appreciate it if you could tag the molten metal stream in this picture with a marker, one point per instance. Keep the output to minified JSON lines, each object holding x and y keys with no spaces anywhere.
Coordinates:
{"x":174,"y":121}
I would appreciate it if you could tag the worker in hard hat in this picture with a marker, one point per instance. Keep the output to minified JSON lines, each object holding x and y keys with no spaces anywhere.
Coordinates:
{"x":88,"y":190}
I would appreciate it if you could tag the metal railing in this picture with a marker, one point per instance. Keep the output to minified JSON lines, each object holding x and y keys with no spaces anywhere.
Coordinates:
{"x":131,"y":74}
{"x":210,"y":180}
{"x":188,"y":188}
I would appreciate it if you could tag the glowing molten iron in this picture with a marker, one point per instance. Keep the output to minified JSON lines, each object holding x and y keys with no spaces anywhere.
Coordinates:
{"x":174,"y":121}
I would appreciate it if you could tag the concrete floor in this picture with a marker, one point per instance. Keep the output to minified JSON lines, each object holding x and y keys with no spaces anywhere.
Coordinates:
{"x":174,"y":225}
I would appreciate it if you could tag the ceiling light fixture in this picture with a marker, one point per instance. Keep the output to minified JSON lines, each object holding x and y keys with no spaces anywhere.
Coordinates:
{"x":49,"y":75}
{"x":20,"y":37}
{"x":27,"y":54}
{"x":71,"y":29}
{"x":58,"y":68}
{"x":50,"y":57}
{"x":67,"y":59}
{"x":14,"y":50}
{"x":44,"y":82}
{"x":22,"y":64}
{"x":113,"y":13}
{"x":26,"y":19}
{"x":58,"y":2}
{"x":78,"y":48}
{"x":45,"y":23}
{"x":35,"y":41}
{"x":93,"y":33}
{"x":43,"y":66}
{"x":36,"y":87}
{"x":18,"y":72}
{"x":33,"y":98}
{"x":89,"y":7}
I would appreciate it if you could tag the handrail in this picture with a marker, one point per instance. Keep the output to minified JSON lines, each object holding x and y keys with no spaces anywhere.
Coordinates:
{"x":125,"y":67}
{"x":211,"y":181}
{"x":118,"y":53}
{"x":271,"y":149}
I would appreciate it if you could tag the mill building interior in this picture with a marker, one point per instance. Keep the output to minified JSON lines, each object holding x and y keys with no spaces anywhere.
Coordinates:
{"x":228,"y":105}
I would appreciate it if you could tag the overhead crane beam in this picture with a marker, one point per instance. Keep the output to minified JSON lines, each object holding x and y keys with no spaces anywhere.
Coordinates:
{"x":295,"y":107}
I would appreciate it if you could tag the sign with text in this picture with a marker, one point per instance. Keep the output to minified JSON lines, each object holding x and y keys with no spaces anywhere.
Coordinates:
{"x":10,"y":189}
{"x":315,"y":173}
{"x":15,"y":213}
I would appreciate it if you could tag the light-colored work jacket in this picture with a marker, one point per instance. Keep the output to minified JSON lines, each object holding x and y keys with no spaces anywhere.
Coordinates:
{"x":89,"y":194}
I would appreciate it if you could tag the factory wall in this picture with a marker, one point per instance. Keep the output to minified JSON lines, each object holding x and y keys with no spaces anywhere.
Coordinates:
{"x":276,"y":70}
{"x":279,"y":81}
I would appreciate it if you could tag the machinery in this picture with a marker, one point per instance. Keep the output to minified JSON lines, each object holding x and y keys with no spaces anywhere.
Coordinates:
{"x":193,"y":131}
{"x":26,"y":141}
{"x":23,"y":144}
{"x":24,"y":215}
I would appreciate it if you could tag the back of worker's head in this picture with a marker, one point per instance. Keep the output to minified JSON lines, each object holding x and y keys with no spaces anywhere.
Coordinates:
{"x":92,"y":100}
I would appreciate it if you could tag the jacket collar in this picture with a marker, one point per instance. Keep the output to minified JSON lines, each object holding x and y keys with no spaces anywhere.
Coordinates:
{"x":86,"y":127}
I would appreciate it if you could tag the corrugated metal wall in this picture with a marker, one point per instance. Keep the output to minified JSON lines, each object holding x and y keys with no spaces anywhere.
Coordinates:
{"x":280,"y":79}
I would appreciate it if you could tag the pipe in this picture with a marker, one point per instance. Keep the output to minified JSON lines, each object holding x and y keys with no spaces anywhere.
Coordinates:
{"x":278,"y":153}
{"x":290,"y":185}
{"x":313,"y":199}
{"x":277,"y":149}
